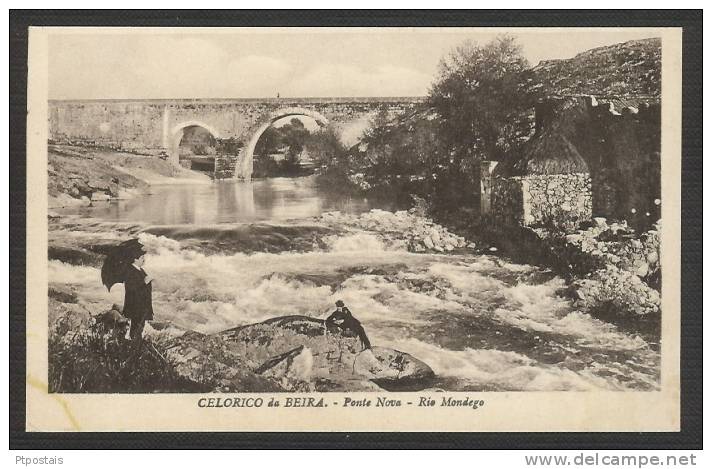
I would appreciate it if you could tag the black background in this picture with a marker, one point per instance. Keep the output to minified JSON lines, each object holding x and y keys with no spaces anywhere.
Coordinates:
{"x":690,"y":436}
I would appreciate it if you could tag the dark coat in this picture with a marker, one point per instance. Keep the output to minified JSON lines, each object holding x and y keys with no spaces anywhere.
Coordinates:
{"x":348,"y":325}
{"x":137,"y":300}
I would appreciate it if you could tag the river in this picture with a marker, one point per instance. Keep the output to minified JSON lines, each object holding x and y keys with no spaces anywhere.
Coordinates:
{"x":225,"y":254}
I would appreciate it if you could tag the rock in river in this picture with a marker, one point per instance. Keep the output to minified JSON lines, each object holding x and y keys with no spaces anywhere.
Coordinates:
{"x":295,"y":353}
{"x":282,"y":354}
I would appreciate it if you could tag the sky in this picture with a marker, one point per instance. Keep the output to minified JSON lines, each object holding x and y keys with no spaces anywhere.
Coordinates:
{"x":258,"y":63}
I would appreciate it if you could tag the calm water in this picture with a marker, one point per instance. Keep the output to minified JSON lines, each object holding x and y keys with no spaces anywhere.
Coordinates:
{"x":227,"y":202}
{"x":225,"y":254}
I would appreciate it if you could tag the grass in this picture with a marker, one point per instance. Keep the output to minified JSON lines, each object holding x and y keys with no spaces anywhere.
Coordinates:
{"x":97,"y":360}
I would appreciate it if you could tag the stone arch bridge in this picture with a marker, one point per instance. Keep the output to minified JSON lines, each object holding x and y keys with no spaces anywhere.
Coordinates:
{"x":158,"y":126}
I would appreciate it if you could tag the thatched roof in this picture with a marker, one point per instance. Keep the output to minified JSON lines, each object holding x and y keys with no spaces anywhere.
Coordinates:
{"x":549,"y":153}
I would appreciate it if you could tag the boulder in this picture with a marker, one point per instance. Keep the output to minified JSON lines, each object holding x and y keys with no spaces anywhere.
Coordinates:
{"x":72,"y":255}
{"x":429,"y":242}
{"x":600,"y":222}
{"x":641,"y":268}
{"x":213,"y":362}
{"x":393,"y":370}
{"x":300,"y":354}
{"x":435,"y":236}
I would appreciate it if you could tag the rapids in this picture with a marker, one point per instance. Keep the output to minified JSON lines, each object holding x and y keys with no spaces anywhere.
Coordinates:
{"x":480,"y":322}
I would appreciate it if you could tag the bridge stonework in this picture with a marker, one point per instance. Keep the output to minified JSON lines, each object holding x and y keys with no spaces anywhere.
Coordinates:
{"x":155,"y":127}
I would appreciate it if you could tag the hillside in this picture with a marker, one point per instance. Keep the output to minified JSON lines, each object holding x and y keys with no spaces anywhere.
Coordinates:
{"x":627,"y":69}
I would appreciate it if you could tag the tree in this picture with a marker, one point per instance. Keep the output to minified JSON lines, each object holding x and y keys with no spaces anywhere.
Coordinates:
{"x":325,"y":147}
{"x":294,"y":134}
{"x":269,"y":141}
{"x":288,"y":139}
{"x":480,"y":94}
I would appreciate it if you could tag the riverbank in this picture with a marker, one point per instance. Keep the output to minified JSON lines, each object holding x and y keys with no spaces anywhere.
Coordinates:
{"x":80,"y":176}
{"x":457,"y":301}
{"x":90,"y":353}
{"x":612,"y":271}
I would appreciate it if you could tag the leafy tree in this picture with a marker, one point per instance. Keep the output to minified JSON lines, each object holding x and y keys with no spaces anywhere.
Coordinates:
{"x":290,"y":139}
{"x":269,"y":142}
{"x":482,"y":98}
{"x":294,"y":135}
{"x":325,"y":147}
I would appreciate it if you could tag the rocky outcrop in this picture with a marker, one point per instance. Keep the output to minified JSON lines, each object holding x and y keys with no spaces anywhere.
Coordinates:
{"x":614,"y":270}
{"x":82,"y":175}
{"x":617,"y":244}
{"x":293,"y":353}
{"x":628,"y":68}
{"x":79,"y":176}
{"x":627,"y":279}
{"x":419,"y":233}
{"x":215,"y":363}
{"x":89,"y":352}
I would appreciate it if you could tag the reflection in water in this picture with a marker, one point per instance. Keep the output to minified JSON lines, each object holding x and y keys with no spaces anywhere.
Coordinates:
{"x":228,"y":202}
{"x":234,"y":198}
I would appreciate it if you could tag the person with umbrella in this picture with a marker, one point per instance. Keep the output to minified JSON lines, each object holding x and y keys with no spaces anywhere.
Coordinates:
{"x":125,"y":265}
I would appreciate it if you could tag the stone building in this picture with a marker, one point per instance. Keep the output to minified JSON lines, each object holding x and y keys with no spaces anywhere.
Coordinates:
{"x":586,"y":158}
{"x":550,"y":185}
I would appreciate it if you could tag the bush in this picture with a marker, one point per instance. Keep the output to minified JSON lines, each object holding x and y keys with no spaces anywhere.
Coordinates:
{"x":95,"y":359}
{"x":325,"y":147}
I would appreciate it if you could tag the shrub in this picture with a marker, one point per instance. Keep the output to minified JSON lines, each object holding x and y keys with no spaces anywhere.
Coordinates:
{"x":95,"y":359}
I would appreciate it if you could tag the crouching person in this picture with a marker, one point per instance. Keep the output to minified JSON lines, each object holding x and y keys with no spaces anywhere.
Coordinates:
{"x":343,"y":321}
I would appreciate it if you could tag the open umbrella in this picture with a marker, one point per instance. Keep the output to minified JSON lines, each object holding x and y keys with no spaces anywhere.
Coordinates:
{"x":119,"y":259}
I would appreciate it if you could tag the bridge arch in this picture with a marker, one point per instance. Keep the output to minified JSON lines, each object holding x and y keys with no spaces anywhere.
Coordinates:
{"x":247,"y":153}
{"x":178,"y":132}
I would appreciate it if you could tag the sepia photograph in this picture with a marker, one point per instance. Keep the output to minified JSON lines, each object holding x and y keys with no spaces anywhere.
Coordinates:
{"x":231,"y":221}
{"x":345,"y":218}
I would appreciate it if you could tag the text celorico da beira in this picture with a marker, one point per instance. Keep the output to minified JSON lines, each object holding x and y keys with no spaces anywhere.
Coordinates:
{"x":257,"y":402}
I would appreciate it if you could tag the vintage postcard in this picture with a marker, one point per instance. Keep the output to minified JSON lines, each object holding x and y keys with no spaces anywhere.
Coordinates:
{"x":353,"y":229}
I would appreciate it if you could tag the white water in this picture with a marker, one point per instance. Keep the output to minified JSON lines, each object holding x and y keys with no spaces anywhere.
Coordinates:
{"x":480,"y":322}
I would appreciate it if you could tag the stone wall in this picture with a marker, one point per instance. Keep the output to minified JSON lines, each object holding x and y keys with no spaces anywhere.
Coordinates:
{"x":125,"y":125}
{"x":556,"y":199}
{"x":225,"y":166}
{"x":561,"y":200}
{"x":507,"y":200}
